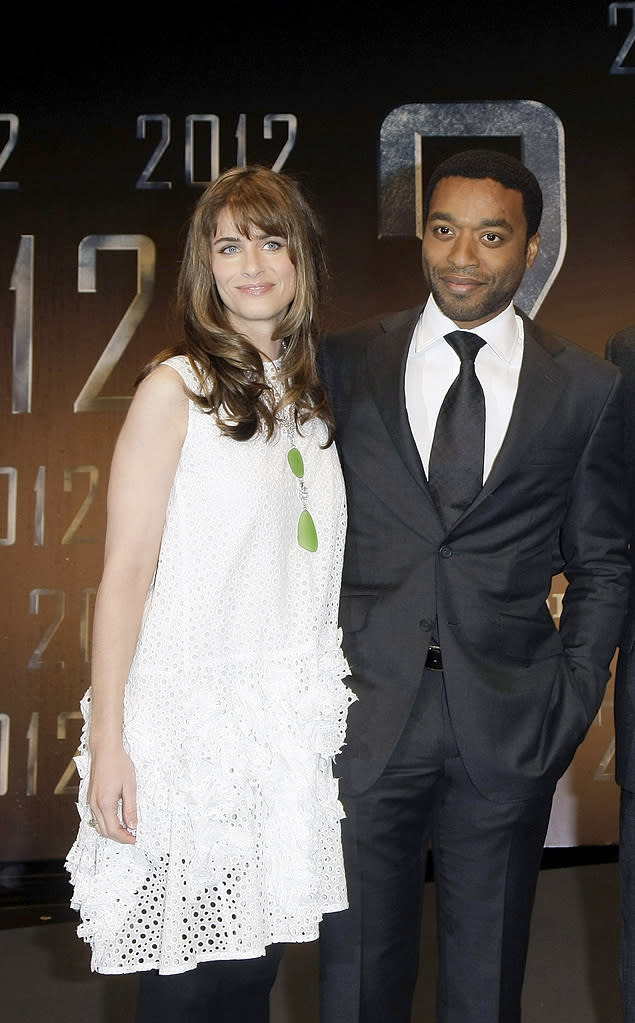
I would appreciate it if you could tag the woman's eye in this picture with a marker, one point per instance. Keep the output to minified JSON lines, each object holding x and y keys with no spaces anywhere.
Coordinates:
{"x":272,"y":245}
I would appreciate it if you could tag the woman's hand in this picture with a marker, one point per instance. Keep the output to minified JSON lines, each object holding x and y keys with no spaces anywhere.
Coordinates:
{"x":112,"y":778}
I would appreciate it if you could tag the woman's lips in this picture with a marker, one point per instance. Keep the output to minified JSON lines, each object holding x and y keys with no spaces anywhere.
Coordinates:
{"x":256,"y":289}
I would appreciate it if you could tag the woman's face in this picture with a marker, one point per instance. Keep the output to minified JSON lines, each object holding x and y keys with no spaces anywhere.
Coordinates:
{"x":255,"y":278}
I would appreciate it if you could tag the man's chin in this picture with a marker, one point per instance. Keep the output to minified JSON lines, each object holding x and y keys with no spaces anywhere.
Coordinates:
{"x":462,"y":312}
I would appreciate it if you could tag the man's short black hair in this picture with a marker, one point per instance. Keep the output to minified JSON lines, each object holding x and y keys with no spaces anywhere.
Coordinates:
{"x":489,"y":163}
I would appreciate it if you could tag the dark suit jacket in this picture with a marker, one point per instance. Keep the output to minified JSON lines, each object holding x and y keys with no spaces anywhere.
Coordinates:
{"x":621,"y":351}
{"x":521,"y":694}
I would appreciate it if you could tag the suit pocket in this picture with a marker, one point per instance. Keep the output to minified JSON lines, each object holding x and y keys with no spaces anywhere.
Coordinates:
{"x":528,"y":639}
{"x":355,"y":606}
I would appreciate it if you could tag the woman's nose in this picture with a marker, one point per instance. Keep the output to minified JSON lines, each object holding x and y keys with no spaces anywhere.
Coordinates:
{"x":252,"y":264}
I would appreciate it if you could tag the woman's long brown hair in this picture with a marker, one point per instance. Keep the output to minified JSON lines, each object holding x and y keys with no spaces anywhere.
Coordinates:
{"x":233,"y":386}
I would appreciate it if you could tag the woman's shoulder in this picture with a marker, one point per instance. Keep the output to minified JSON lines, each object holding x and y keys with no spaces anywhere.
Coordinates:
{"x":184,"y":366}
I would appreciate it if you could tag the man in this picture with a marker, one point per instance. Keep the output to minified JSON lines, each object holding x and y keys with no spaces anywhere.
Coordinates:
{"x":621,"y":350}
{"x":471,"y":703}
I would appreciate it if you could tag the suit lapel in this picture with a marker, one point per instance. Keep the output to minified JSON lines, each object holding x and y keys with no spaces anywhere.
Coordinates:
{"x":386,"y":365}
{"x":540,"y":385}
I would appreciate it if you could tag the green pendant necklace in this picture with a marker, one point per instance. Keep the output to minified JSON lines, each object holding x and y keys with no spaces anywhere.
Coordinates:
{"x":307,"y":533}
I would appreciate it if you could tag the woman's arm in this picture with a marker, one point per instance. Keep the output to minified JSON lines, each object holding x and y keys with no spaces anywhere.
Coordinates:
{"x":143,"y":467}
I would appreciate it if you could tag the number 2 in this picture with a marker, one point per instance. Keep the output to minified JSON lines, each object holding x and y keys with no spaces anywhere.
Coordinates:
{"x":617,"y":67}
{"x":9,"y":146}
{"x":89,"y":398}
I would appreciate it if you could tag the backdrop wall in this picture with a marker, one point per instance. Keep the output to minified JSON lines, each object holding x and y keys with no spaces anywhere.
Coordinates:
{"x":107,"y":136}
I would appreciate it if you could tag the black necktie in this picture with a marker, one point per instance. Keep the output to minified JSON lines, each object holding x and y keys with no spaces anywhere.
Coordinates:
{"x":455,"y":472}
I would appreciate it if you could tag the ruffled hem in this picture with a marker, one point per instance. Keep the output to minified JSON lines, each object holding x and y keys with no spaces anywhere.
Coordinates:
{"x":238,"y":843}
{"x":104,"y":963}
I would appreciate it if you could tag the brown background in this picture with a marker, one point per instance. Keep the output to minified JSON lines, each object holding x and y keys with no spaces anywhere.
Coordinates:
{"x":77,"y":92}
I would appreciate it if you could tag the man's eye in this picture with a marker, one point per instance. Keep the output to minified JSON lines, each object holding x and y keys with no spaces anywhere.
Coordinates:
{"x":272,"y":246}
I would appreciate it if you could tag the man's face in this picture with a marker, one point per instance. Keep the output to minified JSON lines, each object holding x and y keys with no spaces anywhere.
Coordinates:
{"x":475,"y":248}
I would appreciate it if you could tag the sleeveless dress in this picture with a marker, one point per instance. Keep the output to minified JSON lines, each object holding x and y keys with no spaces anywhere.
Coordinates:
{"x":234,"y":709}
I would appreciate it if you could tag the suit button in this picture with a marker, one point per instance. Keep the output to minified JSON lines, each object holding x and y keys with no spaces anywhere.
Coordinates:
{"x":425,"y":624}
{"x":445,"y":552}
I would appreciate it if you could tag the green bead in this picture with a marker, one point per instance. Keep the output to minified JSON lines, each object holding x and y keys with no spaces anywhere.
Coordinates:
{"x":294,"y":458}
{"x":307,"y":533}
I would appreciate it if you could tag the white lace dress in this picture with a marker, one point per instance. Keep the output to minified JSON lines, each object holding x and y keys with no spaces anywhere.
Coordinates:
{"x":234,"y":709}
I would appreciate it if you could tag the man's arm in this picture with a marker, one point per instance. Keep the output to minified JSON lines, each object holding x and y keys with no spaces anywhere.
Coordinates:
{"x":594,"y":543}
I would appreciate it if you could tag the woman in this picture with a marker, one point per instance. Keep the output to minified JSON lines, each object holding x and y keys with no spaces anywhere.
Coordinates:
{"x":209,"y":817}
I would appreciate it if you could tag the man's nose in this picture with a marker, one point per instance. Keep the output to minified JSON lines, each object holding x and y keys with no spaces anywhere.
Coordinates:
{"x":463,"y":252}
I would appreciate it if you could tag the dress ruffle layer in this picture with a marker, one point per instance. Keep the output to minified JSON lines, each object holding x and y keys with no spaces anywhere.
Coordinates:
{"x":239,"y":822}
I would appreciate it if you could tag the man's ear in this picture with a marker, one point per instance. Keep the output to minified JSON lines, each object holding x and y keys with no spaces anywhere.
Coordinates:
{"x":532,"y":248}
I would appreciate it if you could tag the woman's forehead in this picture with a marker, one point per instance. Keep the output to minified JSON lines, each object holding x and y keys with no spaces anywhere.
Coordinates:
{"x":247,"y":223}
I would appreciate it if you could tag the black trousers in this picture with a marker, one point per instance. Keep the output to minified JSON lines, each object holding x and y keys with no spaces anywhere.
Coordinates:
{"x":486,"y":859}
{"x":627,"y":904}
{"x":235,"y":991}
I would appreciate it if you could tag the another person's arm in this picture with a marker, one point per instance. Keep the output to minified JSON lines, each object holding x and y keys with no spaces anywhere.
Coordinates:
{"x":594,"y":543}
{"x":143,"y":467}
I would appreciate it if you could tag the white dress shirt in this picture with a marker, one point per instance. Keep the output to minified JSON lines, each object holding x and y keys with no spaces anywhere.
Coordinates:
{"x":432,"y":365}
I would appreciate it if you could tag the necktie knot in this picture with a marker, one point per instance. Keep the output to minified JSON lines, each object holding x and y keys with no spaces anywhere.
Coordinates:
{"x":465,"y":344}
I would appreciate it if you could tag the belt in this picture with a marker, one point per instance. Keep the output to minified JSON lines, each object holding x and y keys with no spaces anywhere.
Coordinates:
{"x":434,"y":661}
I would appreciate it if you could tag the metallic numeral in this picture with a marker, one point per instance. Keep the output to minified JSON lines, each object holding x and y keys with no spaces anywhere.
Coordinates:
{"x":89,"y":398}
{"x":40,"y":494}
{"x":5,"y":733}
{"x":144,"y":178}
{"x":70,"y":536}
{"x":292,"y":133}
{"x":12,"y":504}
{"x":602,"y":772}
{"x":22,"y":284}
{"x":63,"y":788}
{"x":14,"y":125}
{"x":35,"y":661}
{"x":241,"y":141}
{"x":33,"y":743}
{"x":214,"y":148}
{"x":617,"y":67}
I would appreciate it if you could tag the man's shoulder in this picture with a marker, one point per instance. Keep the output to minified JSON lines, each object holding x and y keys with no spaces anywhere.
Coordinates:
{"x":568,"y":354}
{"x":373,"y":327}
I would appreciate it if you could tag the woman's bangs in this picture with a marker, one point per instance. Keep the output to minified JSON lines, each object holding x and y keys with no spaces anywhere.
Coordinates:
{"x":249,"y":215}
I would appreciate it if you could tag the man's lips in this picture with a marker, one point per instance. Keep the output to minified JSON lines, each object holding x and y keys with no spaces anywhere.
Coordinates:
{"x":461,"y":285}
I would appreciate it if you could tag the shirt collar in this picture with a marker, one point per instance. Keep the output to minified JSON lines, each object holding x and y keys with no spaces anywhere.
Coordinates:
{"x":501,"y":333}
